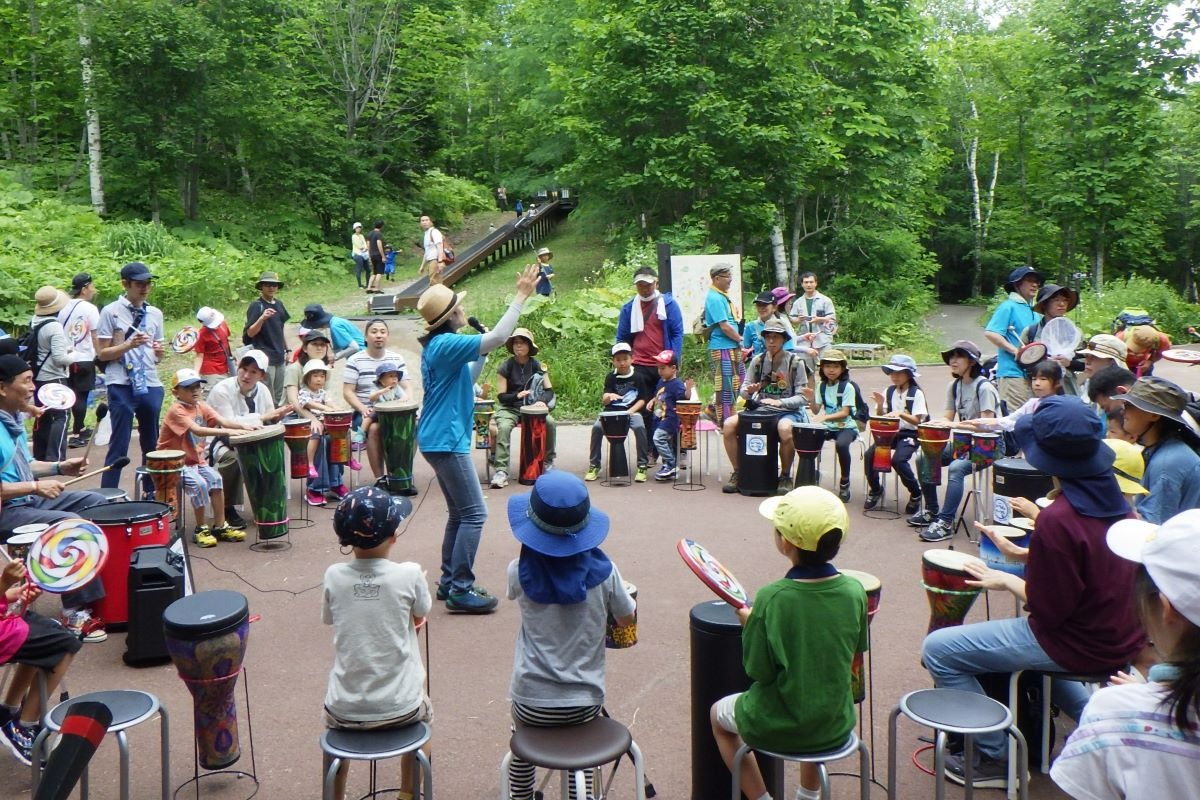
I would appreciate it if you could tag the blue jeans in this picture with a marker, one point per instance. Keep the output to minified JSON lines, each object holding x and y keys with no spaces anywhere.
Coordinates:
{"x":954,"y":656}
{"x":329,"y":476}
{"x":956,"y":475}
{"x":664,"y":443}
{"x":466,"y":514}
{"x":123,"y":406}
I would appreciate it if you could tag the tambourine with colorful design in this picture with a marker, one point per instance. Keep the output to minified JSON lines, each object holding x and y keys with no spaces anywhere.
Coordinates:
{"x":185,"y":340}
{"x":56,"y":397}
{"x":67,"y":556}
{"x":712,"y":574}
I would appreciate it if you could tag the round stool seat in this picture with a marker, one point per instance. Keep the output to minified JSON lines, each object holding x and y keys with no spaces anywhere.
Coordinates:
{"x":847,"y":749}
{"x":129,"y":707}
{"x":956,"y":711}
{"x":376,"y":744}
{"x":595,"y":742}
{"x":113,"y":494}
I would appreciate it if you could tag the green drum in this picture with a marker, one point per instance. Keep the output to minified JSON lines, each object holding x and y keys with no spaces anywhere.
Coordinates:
{"x":397,"y":421}
{"x":264,"y":471}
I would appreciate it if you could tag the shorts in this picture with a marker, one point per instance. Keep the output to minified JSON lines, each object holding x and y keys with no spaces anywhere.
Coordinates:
{"x":422,"y":713}
{"x":725,"y":712}
{"x":198,"y":481}
{"x":48,"y":643}
{"x":798,"y":417}
{"x":377,"y":267}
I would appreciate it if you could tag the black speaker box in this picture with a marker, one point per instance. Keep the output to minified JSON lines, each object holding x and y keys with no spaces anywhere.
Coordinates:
{"x":154,"y":583}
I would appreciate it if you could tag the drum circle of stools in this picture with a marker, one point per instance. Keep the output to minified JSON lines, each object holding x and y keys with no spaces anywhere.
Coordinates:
{"x":397,"y":421}
{"x":260,"y":456}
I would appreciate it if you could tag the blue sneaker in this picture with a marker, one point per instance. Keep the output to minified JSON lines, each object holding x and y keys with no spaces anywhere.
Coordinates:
{"x":19,"y":740}
{"x":475,"y":600}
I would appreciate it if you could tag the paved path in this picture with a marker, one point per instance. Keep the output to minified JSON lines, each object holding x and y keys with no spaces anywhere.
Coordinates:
{"x":954,"y":322}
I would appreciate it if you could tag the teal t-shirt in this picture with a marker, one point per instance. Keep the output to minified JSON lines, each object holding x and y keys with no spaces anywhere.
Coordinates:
{"x":447,"y":411}
{"x":827,"y":401}
{"x":717,"y":308}
{"x":797,"y":647}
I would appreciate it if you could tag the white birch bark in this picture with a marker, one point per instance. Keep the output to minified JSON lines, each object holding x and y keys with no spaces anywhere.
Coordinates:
{"x":95,"y":175}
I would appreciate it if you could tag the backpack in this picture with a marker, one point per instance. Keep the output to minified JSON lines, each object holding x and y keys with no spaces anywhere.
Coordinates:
{"x":700,"y":329}
{"x":861,"y":412}
{"x":539,"y":392}
{"x":28,"y":347}
{"x":448,"y":256}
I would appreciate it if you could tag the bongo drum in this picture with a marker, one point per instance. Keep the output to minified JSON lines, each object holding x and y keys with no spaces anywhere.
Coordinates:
{"x":260,"y":454}
{"x":615,"y":426}
{"x":983,"y":449}
{"x":296,"y":433}
{"x":1031,"y":355}
{"x":1015,"y":477}
{"x":874,"y":589}
{"x":397,"y":421}
{"x":533,"y":443}
{"x":618,"y":637}
{"x":945,"y":581}
{"x":932,"y":437}
{"x":127,"y":526}
{"x":337,"y":425}
{"x":992,"y":556}
{"x":23,"y":537}
{"x":960,"y":443}
{"x":884,"y":431}
{"x":758,"y":451}
{"x":808,"y":437}
{"x":485,"y":411}
{"x":206,"y":639}
{"x":688,"y":412}
{"x":166,"y":468}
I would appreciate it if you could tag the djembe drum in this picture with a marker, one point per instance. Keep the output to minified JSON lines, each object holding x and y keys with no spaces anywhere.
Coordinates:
{"x":206,"y":639}
{"x":296,"y":433}
{"x":618,"y":637}
{"x":1015,"y":477}
{"x":485,"y":412}
{"x":945,"y":581}
{"x":808,"y":437}
{"x":758,"y":451}
{"x":884,"y":430}
{"x":688,"y":412}
{"x":992,"y":556}
{"x":615,"y":426}
{"x":260,"y":454}
{"x":337,"y":425}
{"x":932,"y":437}
{"x":983,"y":449}
{"x":397,"y":421}
{"x":874,"y":589}
{"x":960,"y":443}
{"x":166,"y":469}
{"x":533,"y":443}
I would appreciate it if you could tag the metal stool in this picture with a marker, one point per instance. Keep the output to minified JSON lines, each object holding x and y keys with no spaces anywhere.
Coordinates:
{"x":572,"y":750}
{"x":1089,"y":679}
{"x":113,"y":494}
{"x":955,"y":711}
{"x":852,"y":744}
{"x":129,"y":708}
{"x":338,"y":745}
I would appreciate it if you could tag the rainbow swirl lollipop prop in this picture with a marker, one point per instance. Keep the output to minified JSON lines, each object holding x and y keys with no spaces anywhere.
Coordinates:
{"x":185,"y":340}
{"x":67,"y":556}
{"x":712,"y":573}
{"x":56,"y":397}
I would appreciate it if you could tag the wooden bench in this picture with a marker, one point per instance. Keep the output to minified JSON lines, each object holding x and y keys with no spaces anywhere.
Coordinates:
{"x":861,"y":350}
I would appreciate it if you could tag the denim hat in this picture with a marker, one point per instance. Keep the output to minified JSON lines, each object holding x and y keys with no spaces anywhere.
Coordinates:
{"x":315,"y":316}
{"x":900,"y":362}
{"x":369,"y":516}
{"x":384,"y":367}
{"x":557,"y":518}
{"x":1019,"y":274}
{"x":136,"y":271}
{"x":1063,"y":438}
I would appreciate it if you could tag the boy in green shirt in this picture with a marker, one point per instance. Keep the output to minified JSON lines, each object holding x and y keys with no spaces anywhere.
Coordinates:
{"x":797,"y":645}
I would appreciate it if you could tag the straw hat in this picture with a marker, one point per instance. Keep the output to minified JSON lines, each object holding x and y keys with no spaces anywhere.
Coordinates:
{"x":49,"y":301}
{"x":437,"y":303}
{"x":522,"y":333}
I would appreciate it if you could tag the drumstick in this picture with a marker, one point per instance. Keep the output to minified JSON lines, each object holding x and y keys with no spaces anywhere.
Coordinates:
{"x":101,"y":413}
{"x":120,"y":463}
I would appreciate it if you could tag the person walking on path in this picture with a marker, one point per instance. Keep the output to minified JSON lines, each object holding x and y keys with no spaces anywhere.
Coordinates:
{"x":434,"y":255}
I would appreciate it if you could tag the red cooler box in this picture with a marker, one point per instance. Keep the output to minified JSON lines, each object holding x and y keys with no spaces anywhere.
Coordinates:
{"x":127,"y":526}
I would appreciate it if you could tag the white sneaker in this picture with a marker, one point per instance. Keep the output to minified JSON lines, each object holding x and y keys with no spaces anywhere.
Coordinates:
{"x":499,"y":479}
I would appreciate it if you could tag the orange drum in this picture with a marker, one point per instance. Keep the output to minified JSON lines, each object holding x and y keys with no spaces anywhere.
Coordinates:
{"x":944,"y":577}
{"x":884,"y":430}
{"x":337,"y":425}
{"x":166,"y":469}
{"x":688,"y":412}
{"x":296,"y":433}
{"x":874,"y":588}
{"x":932,"y":437}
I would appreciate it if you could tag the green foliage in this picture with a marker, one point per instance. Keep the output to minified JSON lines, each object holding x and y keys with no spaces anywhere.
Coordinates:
{"x":447,"y":198}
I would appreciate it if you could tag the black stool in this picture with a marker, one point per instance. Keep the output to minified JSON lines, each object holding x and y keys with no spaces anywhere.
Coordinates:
{"x":339,"y":745}
{"x":853,"y":744}
{"x":573,"y":749}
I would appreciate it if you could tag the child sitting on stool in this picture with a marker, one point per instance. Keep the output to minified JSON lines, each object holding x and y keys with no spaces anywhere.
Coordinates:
{"x":375,"y":606}
{"x":621,"y":394}
{"x":798,"y":642}
{"x":515,"y":387}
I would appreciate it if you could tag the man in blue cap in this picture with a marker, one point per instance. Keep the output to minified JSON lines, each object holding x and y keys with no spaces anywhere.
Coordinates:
{"x":1004,"y":330}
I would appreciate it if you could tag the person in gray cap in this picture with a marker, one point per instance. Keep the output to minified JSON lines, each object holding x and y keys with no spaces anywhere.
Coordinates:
{"x":1004,"y":330}
{"x":1154,"y":409}
{"x":80,"y":319}
{"x":724,"y":341}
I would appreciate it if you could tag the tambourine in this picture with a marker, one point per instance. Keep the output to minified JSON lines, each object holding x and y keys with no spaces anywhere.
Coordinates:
{"x":67,"y":556}
{"x":1181,"y":356}
{"x":712,"y":574}
{"x":185,"y":340}
{"x":1031,"y":354}
{"x":56,"y":397}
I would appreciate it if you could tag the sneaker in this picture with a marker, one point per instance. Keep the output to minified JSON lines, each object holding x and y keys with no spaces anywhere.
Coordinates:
{"x":314,"y":498}
{"x":844,"y":491}
{"x":499,"y":479}
{"x":15,"y":737}
{"x":93,"y":629}
{"x":203,"y":537}
{"x":592,"y":473}
{"x":873,"y":500}
{"x":664,"y":473}
{"x":547,"y":466}
{"x":233,"y":519}
{"x":77,"y":441}
{"x":987,"y":773}
{"x":312,"y":473}
{"x":913,"y":505}
{"x":443,"y":591}
{"x":731,"y":487}
{"x":341,"y":491}
{"x":937,"y":531}
{"x":355,"y":464}
{"x":921,"y":519}
{"x":227,"y":534}
{"x":475,"y":600}
{"x":640,"y":475}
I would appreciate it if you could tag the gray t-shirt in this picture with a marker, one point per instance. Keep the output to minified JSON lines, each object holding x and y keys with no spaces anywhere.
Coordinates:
{"x":377,"y":671}
{"x":559,"y":658}
{"x":969,"y":399}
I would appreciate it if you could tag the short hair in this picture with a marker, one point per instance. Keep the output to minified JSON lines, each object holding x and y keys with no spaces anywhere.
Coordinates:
{"x":827,"y":549}
{"x":1106,"y":381}
{"x":373,"y":323}
{"x":1051,"y":370}
{"x":378,"y":223}
{"x":812,"y":275}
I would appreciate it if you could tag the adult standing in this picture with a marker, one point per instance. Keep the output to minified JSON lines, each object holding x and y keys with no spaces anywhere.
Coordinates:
{"x":724,"y":341}
{"x":501,"y":198}
{"x":433,"y":257}
{"x":328,"y":483}
{"x":815,"y":319}
{"x":132,"y":343}
{"x":377,"y":255}
{"x":450,"y":363}
{"x":1154,"y":415}
{"x":213,"y":356}
{"x":361,"y":256}
{"x":1004,"y":330}
{"x":265,"y":318}
{"x":1054,"y":301}
{"x":345,"y":337}
{"x":80,"y":319}
{"x":649,"y":323}
{"x":244,"y":398}
{"x":358,"y":382}
{"x":52,"y":364}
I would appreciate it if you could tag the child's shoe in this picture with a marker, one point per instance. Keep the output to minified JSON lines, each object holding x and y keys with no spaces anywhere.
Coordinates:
{"x":203,"y":536}
{"x":227,"y":534}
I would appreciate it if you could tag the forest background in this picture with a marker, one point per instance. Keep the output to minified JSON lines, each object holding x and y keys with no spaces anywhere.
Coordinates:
{"x":904,"y":151}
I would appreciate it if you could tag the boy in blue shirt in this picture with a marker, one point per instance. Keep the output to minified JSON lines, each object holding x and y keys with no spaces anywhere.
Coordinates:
{"x":545,"y":284}
{"x":669,"y":391}
{"x":798,"y":643}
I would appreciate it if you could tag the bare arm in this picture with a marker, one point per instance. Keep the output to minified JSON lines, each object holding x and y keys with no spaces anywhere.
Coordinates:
{"x":1000,"y":342}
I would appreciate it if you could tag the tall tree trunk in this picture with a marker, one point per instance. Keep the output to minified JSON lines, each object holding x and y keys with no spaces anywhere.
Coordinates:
{"x":247,"y":183}
{"x":778,"y":250}
{"x":794,"y":253}
{"x":95,"y":175}
{"x":976,"y":206}
{"x":1099,"y":246}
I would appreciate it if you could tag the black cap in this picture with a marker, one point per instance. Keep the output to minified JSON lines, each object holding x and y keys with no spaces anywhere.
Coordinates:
{"x":313,"y":336}
{"x":11,"y":366}
{"x":315,"y":316}
{"x":79,"y":282}
{"x":136,"y":271}
{"x":766,"y":298}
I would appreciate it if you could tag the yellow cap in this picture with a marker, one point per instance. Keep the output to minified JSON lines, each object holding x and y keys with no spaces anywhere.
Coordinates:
{"x":804,"y":515}
{"x":1129,"y":466}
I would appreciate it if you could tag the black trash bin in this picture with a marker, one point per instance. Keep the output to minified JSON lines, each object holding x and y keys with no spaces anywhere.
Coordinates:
{"x":758,"y":452}
{"x":716,"y":648}
{"x":154,"y":583}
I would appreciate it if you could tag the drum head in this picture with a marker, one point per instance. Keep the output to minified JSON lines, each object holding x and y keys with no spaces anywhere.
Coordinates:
{"x":1031,"y":354}
{"x":260,"y":435}
{"x":25,"y":539}
{"x":205,"y":615}
{"x":34,"y":528}
{"x":712,"y":573}
{"x":869,"y":582}
{"x":124,"y":513}
{"x":396,"y":406}
{"x":1010,"y":531}
{"x":1182,"y":356}
{"x":1061,"y":337}
{"x":984,"y":435}
{"x":164,"y":455}
{"x":1024,"y":523}
{"x":952,"y":561}
{"x":883,"y":423}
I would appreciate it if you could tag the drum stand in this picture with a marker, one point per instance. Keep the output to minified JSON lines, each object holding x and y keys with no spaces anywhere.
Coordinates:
{"x":977,"y":498}
{"x":252,"y":774}
{"x":692,"y":482}
{"x":881,"y":511}
{"x":304,"y":520}
{"x":864,"y":710}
